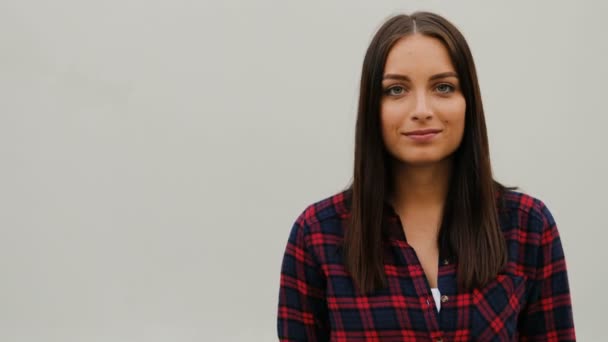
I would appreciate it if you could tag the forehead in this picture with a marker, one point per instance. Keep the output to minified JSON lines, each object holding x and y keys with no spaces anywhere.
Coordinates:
{"x":418,"y":55}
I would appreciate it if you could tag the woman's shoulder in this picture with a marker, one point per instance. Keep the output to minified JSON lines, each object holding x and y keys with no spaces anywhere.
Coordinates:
{"x":533,"y":240}
{"x":527,"y":211}
{"x":326,"y":214}
{"x":330,"y":207}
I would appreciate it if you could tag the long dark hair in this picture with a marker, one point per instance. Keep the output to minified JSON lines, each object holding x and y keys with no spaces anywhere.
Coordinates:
{"x":470,"y":230}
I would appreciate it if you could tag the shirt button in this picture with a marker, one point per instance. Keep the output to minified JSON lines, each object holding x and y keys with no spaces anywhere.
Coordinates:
{"x":446,"y":261}
{"x":444,"y":299}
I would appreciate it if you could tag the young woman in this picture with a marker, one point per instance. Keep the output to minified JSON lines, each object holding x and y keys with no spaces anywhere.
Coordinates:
{"x":424,"y":245}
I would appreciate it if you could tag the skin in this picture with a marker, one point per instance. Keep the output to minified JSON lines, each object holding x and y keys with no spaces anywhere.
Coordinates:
{"x":421,"y":90}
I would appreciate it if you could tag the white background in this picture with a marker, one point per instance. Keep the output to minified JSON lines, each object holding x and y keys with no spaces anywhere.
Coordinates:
{"x":154,"y":154}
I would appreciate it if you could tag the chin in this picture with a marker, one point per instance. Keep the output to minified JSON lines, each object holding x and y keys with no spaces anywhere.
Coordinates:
{"x":420,"y":163}
{"x":417,"y":161}
{"x":421,"y":160}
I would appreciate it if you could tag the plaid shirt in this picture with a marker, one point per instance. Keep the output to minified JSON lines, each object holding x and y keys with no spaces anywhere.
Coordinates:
{"x":528,"y":301}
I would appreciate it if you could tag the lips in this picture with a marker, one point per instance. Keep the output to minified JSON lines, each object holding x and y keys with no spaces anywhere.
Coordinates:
{"x":423,"y":131}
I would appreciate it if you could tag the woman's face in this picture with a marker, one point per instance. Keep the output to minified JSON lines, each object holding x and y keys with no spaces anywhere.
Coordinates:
{"x":421,"y":92}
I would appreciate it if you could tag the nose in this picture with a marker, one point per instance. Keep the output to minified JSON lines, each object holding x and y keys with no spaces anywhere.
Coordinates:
{"x":422,"y":110}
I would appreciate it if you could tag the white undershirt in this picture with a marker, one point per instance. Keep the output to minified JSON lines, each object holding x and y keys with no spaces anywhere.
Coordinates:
{"x":437,"y":297}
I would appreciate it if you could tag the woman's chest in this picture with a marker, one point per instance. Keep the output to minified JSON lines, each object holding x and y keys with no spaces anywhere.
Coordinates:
{"x":405,"y":309}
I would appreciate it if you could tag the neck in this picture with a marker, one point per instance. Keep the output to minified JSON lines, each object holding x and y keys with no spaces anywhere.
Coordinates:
{"x":420,"y":186}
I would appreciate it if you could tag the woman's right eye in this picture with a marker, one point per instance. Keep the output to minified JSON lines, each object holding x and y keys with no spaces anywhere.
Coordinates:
{"x":395,"y":91}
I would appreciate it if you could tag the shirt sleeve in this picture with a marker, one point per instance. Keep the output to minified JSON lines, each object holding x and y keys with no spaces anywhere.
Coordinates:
{"x":547,"y":315}
{"x":302,"y":312}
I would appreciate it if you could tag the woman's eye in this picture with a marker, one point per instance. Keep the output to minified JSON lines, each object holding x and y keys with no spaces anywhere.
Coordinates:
{"x":445,"y":88}
{"x":396,"y":90}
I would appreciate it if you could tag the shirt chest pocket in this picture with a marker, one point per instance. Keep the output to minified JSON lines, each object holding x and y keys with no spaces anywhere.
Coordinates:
{"x":496,"y":308}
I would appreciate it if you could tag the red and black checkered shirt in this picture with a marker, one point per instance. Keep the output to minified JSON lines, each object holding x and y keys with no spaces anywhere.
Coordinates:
{"x":528,"y":301}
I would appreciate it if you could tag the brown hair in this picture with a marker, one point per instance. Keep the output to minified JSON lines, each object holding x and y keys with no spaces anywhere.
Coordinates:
{"x":470,"y":233}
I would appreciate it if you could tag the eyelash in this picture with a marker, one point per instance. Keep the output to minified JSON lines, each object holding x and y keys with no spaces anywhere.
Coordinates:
{"x":451,"y":89}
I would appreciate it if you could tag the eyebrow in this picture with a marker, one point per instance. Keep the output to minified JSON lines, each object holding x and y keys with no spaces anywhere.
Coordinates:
{"x":406,"y":78}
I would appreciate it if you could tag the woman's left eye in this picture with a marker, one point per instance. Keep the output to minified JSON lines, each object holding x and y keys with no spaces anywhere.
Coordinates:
{"x":445,"y":88}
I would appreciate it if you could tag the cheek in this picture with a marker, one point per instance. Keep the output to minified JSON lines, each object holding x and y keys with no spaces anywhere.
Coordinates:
{"x":454,"y":121}
{"x":461,"y":118}
{"x":390,"y":119}
{"x":458,"y":131}
{"x":455,"y":115}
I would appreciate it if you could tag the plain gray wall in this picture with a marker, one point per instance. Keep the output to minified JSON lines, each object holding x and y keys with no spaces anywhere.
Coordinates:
{"x":154,"y":154}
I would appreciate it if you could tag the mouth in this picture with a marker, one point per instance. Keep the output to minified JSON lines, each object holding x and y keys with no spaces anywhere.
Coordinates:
{"x":423,"y":132}
{"x":423,"y":135}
